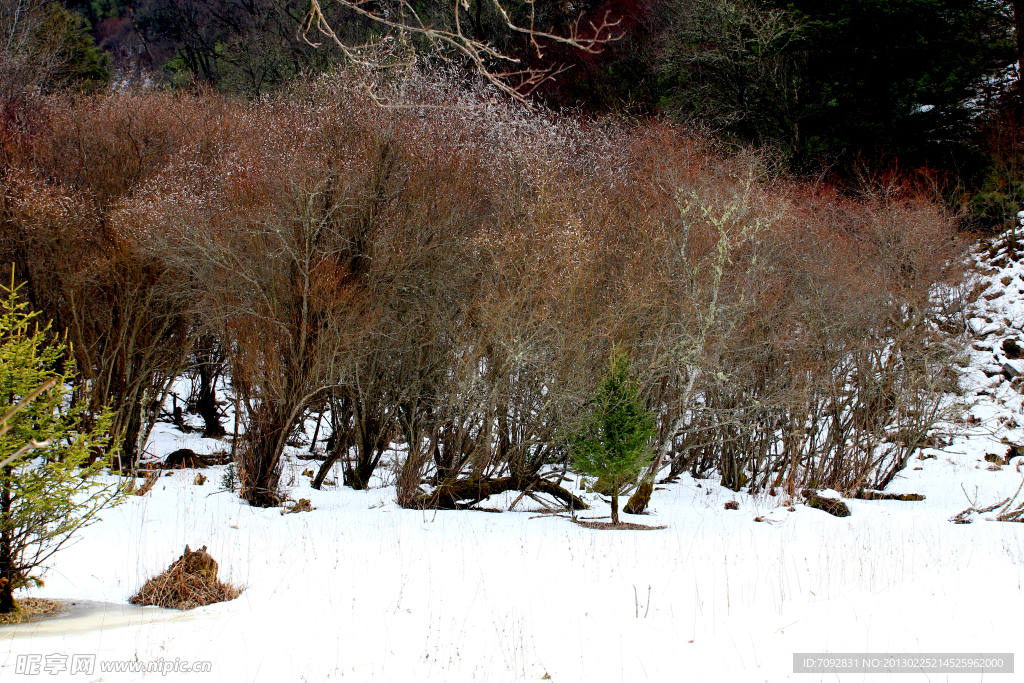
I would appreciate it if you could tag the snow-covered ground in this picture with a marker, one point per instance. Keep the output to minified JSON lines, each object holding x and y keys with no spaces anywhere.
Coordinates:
{"x":361,"y":590}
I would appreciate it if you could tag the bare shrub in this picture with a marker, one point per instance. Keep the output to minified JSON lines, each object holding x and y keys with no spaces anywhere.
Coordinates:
{"x":126,"y":313}
{"x":515,"y":355}
{"x":831,"y":345}
{"x":264,"y":234}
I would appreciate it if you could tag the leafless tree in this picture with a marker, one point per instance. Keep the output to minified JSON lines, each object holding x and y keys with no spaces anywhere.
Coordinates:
{"x":277,"y":280}
{"x":31,"y":56}
{"x":399,"y":25}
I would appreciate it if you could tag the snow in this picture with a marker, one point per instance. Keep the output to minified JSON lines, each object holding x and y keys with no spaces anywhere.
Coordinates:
{"x":362,"y":590}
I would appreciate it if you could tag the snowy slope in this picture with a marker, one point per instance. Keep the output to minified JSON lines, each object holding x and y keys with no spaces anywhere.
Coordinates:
{"x":362,"y":590}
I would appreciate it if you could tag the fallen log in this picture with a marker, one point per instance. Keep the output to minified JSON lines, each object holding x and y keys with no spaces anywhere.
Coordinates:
{"x":460,"y":494}
{"x":881,"y":495}
{"x":151,"y":480}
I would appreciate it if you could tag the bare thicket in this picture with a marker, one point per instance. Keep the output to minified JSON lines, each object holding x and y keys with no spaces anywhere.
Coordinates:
{"x":271,"y":234}
{"x":441,"y":287}
{"x":124,"y":310}
{"x":824,"y":367}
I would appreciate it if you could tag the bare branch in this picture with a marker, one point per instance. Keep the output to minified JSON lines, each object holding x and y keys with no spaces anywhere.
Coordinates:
{"x":454,"y":44}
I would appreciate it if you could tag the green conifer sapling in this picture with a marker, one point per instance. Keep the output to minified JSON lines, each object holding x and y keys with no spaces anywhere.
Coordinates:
{"x":613,"y":439}
{"x":48,"y":461}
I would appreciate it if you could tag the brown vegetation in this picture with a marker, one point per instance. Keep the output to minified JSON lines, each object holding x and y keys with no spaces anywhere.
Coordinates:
{"x":453,"y":277}
{"x":190,"y":581}
{"x":31,"y":609}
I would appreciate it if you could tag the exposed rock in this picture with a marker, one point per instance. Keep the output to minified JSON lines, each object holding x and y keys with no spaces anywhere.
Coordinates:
{"x":1012,"y":369}
{"x":981,"y":327}
{"x":993,"y":369}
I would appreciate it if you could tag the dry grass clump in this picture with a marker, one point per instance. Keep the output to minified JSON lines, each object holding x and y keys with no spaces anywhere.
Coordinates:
{"x":191,"y":581}
{"x":31,"y":609}
{"x":302,"y":506}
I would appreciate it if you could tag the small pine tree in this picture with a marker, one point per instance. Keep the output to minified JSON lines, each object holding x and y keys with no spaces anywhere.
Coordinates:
{"x":229,"y":480}
{"x":613,"y":439}
{"x":48,"y":464}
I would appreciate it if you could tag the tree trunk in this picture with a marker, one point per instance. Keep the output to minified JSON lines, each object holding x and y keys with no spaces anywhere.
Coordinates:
{"x":316,"y":432}
{"x":358,"y":477}
{"x":338,"y":441}
{"x":234,"y":435}
{"x":448,"y":495}
{"x":639,"y":501}
{"x":615,"y":504}
{"x":206,"y":402}
{"x":206,"y":406}
{"x":6,"y":597}
{"x":260,"y":456}
{"x":1018,"y":25}
{"x":130,"y":439}
{"x":6,"y":554}
{"x":333,"y":456}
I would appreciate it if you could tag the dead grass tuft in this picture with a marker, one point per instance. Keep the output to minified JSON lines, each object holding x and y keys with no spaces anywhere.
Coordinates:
{"x":191,"y":581}
{"x":31,"y":609}
{"x":302,"y":506}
